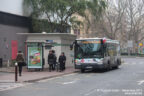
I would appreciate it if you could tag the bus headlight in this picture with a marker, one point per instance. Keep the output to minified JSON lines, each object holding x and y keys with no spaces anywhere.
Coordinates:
{"x":78,"y":63}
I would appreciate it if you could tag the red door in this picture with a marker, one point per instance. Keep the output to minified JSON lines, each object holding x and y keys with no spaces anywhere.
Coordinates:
{"x":14,"y":45}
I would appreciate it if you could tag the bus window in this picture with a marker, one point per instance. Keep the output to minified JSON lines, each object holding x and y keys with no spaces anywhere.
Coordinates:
{"x":112,"y":49}
{"x":88,"y":49}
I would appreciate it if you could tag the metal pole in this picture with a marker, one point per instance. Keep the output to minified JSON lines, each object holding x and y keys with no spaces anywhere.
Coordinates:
{"x":129,"y":51}
{"x":8,"y":64}
{"x":16,"y":77}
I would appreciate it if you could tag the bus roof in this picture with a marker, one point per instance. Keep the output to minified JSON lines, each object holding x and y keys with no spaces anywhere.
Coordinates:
{"x":88,"y":38}
{"x":107,"y":40}
{"x":112,"y":41}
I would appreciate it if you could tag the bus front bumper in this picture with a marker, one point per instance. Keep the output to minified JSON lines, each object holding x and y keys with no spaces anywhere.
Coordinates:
{"x":90,"y":66}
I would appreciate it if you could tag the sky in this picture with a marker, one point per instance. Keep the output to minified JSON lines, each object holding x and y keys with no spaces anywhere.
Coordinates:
{"x":12,"y":6}
{"x":115,"y":2}
{"x":15,"y":6}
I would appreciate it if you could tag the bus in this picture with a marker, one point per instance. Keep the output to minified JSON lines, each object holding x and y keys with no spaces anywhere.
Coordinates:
{"x":96,"y":53}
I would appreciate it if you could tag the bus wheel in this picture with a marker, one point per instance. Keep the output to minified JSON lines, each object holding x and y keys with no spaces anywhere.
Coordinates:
{"x":116,"y":67}
{"x":119,"y":62}
{"x":82,"y":70}
{"x":109,"y":66}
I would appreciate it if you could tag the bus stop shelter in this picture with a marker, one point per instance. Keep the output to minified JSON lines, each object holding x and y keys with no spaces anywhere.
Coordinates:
{"x":39,"y":44}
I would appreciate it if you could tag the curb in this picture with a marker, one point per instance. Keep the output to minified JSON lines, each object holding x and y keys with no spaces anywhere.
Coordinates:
{"x":5,"y":81}
{"x":35,"y":80}
{"x":6,"y":72}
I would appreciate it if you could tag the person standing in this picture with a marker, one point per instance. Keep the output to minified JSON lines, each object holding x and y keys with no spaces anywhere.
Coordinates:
{"x":62,"y":60}
{"x":51,"y":59}
{"x":20,"y":61}
{"x":55,"y":59}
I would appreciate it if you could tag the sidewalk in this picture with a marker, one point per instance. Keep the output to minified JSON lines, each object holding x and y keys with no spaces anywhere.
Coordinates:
{"x":32,"y":75}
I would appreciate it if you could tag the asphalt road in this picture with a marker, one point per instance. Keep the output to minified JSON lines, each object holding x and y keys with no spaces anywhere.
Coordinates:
{"x":128,"y":80}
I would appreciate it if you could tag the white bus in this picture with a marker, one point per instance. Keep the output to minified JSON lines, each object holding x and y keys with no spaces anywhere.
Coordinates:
{"x":96,"y":53}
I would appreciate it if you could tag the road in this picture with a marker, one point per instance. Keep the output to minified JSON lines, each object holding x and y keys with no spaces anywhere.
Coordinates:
{"x":128,"y":80}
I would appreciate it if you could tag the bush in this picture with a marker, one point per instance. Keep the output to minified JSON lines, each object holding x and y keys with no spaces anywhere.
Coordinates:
{"x":13,"y":62}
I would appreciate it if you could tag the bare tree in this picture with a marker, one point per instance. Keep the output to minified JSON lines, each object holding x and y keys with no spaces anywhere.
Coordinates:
{"x":135,"y":21}
{"x":113,"y":19}
{"x":122,"y":21}
{"x":110,"y":24}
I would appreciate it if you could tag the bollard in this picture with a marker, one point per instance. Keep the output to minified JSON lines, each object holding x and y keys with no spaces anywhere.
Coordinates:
{"x":16,"y":77}
{"x":8,"y":64}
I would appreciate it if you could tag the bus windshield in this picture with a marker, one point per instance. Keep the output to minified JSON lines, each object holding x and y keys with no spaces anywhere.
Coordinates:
{"x":88,"y":49}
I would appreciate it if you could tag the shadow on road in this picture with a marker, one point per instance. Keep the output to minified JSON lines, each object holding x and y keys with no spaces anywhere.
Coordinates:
{"x":98,"y":71}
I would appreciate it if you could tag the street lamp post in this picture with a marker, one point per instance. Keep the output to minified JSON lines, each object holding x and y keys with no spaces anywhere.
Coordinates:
{"x":16,"y":77}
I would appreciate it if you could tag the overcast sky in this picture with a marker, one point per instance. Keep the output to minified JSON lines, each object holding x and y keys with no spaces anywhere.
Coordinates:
{"x":15,"y":6}
{"x":11,"y":6}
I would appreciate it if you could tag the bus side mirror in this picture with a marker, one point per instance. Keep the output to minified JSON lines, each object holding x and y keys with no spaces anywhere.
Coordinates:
{"x":71,"y":47}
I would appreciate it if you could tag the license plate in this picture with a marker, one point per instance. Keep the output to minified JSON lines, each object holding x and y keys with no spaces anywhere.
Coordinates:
{"x":89,"y":67}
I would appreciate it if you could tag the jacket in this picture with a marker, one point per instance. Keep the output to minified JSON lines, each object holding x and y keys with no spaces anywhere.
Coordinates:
{"x":62,"y":59}
{"x":51,"y":59}
{"x":20,"y":57}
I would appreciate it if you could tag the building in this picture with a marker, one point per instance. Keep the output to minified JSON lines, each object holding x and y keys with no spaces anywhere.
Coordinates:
{"x":12,"y":21}
{"x":39,"y":44}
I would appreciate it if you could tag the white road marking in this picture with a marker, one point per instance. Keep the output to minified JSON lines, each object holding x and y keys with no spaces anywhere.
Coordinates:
{"x":124,"y":63}
{"x":90,"y":92}
{"x":65,"y":83}
{"x":140,"y":82}
{"x":133,"y":63}
{"x":9,"y":86}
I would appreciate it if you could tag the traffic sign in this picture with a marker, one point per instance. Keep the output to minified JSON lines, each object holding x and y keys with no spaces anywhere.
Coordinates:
{"x":130,"y":44}
{"x":140,"y":44}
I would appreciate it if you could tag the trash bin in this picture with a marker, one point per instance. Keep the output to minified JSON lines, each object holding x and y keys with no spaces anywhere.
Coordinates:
{"x":1,"y":63}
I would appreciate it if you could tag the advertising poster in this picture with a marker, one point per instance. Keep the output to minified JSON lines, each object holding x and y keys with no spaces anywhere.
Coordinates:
{"x":14,"y":47}
{"x":34,"y":57}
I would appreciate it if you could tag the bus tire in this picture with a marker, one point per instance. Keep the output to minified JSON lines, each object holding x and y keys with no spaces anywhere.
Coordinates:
{"x":118,"y":62}
{"x":109,"y":67}
{"x":116,"y":67}
{"x":82,"y":70}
